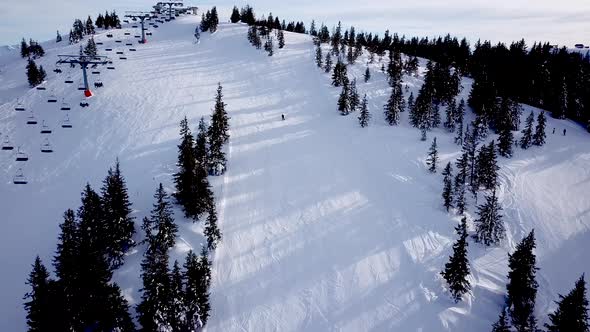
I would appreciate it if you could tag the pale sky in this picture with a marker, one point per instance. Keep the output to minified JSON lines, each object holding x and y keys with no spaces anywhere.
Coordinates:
{"x":562,"y":22}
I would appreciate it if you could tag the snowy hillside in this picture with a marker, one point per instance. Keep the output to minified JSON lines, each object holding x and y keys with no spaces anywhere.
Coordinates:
{"x":327,"y":226}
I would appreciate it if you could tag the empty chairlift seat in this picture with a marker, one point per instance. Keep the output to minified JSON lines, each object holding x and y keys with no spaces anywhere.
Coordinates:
{"x":122,"y":58}
{"x":19,"y":177}
{"x":66,"y":123}
{"x":108,"y":49}
{"x":21,"y":156}
{"x":31,"y":120}
{"x":132,"y":50}
{"x":19,"y":107}
{"x":65,"y":106}
{"x":6,"y":145}
{"x":99,"y":43}
{"x":95,"y":72}
{"x":52,"y":99}
{"x":45,"y":128}
{"x":69,"y":80}
{"x":129,"y":44}
{"x":119,"y":52}
{"x":41,"y":87}
{"x":127,"y":33}
{"x":46,"y":147}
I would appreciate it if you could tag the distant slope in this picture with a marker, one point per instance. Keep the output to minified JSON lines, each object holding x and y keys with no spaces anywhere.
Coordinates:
{"x":327,"y":226}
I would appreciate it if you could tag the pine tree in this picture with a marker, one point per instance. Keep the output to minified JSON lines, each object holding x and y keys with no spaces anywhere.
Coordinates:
{"x":343,"y":101}
{"x":117,"y":216}
{"x":42,"y":74}
{"x":318,"y":56}
{"x":451,"y":116}
{"x":218,"y":135}
{"x":539,"y":136}
{"x":99,"y":21}
{"x":447,"y":194}
{"x":394,"y":106}
{"x":435,"y":116}
{"x":24,"y":49}
{"x":339,"y":76}
{"x":211,"y":230}
{"x":489,"y":226}
{"x":177,"y":309}
{"x":367,"y":74}
{"x":203,"y":286}
{"x":460,"y":200}
{"x":33,"y":73}
{"x":502,"y":324}
{"x":470,"y":147}
{"x":572,"y":311}
{"x":185,"y":177}
{"x":328,"y":63}
{"x":281,"y":38}
{"x":161,"y":222}
{"x":457,"y":268}
{"x":58,"y":37}
{"x":505,"y":142}
{"x":201,"y":149}
{"x":432,"y":159}
{"x":522,"y":285}
{"x":487,"y":167}
{"x":192,"y":277}
{"x":353,"y":96}
{"x":364,"y":116}
{"x":459,"y":134}
{"x":66,"y":264}
{"x":411,"y":102}
{"x":214,"y":20}
{"x":39,"y":300}
{"x":235,"y":15}
{"x":89,"y":28}
{"x":153,"y":310}
{"x":527,"y":133}
{"x":90,"y":48}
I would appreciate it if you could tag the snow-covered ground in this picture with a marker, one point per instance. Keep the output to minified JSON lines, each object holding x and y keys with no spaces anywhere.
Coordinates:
{"x":327,"y":226}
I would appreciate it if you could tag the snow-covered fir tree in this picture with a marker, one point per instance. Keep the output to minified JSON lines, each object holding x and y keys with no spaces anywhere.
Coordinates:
{"x":489,"y":227}
{"x":218,"y":135}
{"x":353,"y":96}
{"x":447,"y":193}
{"x":328,"y":63}
{"x":527,"y":133}
{"x":211,"y":230}
{"x":364,"y":115}
{"x":522,"y":285}
{"x":572,"y":311}
{"x":318,"y":56}
{"x":117,"y":215}
{"x":367,"y":75}
{"x":539,"y":136}
{"x":432,"y":159}
{"x":456,"y":270}
{"x":502,"y":324}
{"x":344,"y":100}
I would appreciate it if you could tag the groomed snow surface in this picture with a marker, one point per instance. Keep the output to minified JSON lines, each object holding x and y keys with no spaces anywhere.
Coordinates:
{"x":327,"y":226}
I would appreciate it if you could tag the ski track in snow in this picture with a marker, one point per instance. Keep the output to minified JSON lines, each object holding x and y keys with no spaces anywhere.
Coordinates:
{"x":327,"y":226}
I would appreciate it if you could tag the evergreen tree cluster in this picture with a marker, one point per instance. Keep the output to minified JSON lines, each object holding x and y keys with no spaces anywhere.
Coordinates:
{"x":31,"y":50}
{"x":91,"y":245}
{"x":35,"y":75}
{"x":198,"y":158}
{"x":171,"y":299}
{"x":210,"y":20}
{"x":107,"y":21}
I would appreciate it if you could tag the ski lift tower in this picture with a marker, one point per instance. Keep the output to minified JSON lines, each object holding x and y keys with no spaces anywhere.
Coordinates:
{"x":83,"y":61}
{"x":142,"y":16}
{"x":170,"y":4}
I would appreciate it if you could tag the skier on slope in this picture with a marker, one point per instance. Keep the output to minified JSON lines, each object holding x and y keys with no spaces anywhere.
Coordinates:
{"x":283,"y":116}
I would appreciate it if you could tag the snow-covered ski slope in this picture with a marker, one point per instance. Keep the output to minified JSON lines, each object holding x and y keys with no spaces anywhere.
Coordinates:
{"x":327,"y":226}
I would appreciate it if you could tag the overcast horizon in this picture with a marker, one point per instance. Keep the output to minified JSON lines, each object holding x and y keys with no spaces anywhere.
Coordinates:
{"x":562,"y":23}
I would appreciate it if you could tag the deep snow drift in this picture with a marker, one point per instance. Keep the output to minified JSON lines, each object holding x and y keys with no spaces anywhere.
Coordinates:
{"x":327,"y":226}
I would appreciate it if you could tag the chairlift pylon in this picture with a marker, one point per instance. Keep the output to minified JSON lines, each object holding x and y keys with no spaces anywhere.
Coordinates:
{"x":19,"y":177}
{"x":46,"y":146}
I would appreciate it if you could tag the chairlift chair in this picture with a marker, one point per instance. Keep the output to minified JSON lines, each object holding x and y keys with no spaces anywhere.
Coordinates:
{"x":57,"y":70}
{"x":69,"y":80}
{"x":84,"y":103}
{"x":21,"y":156}
{"x":129,"y":44}
{"x":81,"y":87}
{"x":108,"y":49}
{"x":66,"y":123}
{"x":6,"y":145}
{"x":119,"y":52}
{"x":122,"y":58}
{"x":111,"y":67}
{"x":41,"y":87}
{"x":19,"y":177}
{"x":132,"y":50}
{"x":110,"y":35}
{"x":65,"y":106}
{"x":118,"y":41}
{"x":127,"y":33}
{"x":46,"y":146}
{"x":96,"y":72}
{"x":52,"y":99}
{"x":99,"y":43}
{"x":45,"y":128}
{"x":19,"y":107}
{"x":31,"y":120}
{"x":148,"y":33}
